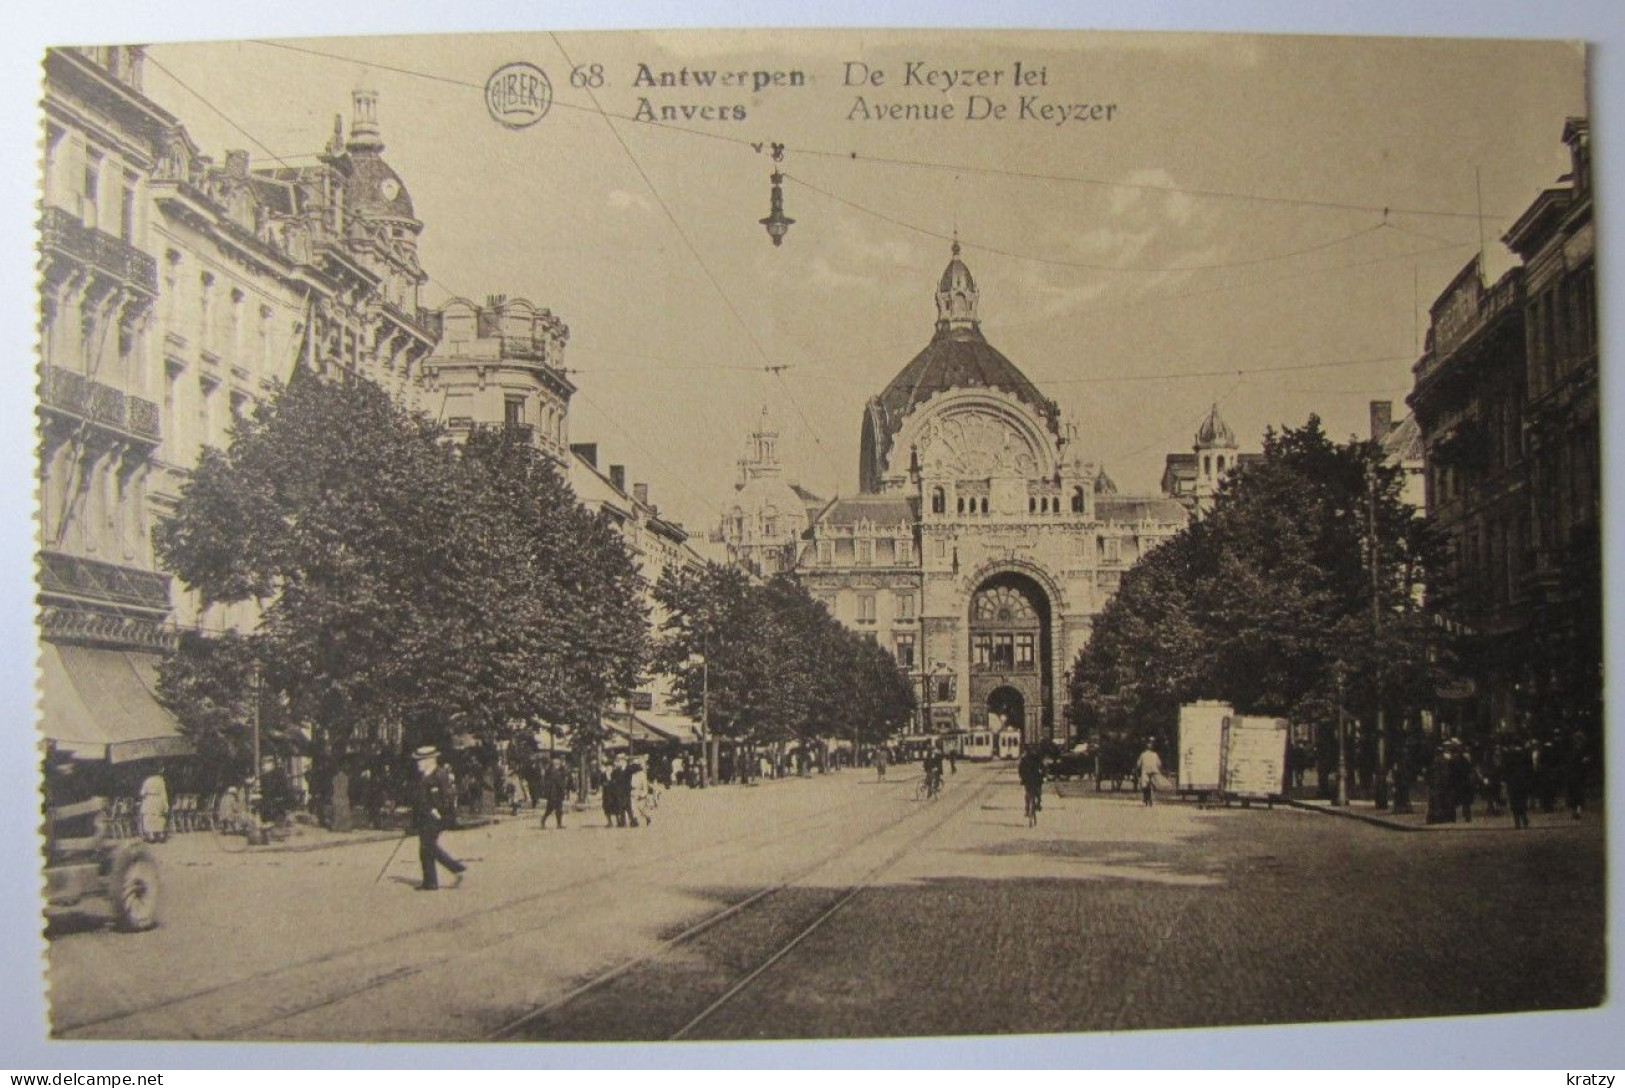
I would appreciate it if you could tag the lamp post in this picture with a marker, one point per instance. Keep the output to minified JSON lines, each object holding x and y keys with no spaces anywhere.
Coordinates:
{"x":1342,"y":800}
{"x":1381,"y":784}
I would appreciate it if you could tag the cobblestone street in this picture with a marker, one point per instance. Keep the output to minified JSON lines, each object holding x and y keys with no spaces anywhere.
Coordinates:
{"x":887,"y":916}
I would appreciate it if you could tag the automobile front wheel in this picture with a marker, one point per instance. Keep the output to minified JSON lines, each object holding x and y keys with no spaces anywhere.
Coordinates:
{"x":135,"y":892}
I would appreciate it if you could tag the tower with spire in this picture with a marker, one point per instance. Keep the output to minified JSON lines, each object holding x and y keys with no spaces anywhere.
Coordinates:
{"x":1194,"y":478}
{"x":761,"y":528}
{"x":956,"y":297}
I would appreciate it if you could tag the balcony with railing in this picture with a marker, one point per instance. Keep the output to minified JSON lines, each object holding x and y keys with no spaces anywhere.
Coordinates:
{"x":100,"y":405}
{"x":73,"y":578}
{"x":1449,"y":339}
{"x":62,"y":232}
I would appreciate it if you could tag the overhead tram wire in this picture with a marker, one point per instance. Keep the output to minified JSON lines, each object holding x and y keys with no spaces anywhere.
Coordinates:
{"x":848,"y":155}
{"x":246,"y":134}
{"x":1149,"y":269}
{"x":778,"y":369}
{"x":1130,"y":304}
{"x":761,"y":351}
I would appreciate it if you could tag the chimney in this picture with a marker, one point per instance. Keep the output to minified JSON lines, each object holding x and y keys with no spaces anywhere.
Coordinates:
{"x":1382,"y":419}
{"x":237,"y":164}
{"x":640,"y":492}
{"x":617,"y":476}
{"x":587,"y":451}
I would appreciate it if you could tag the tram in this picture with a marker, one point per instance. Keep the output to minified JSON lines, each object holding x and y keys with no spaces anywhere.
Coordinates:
{"x":1007,"y":744}
{"x":976,"y":745}
{"x":917,"y":748}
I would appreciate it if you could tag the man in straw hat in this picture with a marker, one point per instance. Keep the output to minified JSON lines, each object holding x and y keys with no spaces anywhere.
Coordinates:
{"x":433,"y":805}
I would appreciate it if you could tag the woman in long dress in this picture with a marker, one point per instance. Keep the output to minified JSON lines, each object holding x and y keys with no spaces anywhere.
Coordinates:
{"x":153,"y":812}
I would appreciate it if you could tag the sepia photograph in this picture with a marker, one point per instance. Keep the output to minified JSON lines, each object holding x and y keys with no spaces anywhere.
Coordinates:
{"x":814,"y":534}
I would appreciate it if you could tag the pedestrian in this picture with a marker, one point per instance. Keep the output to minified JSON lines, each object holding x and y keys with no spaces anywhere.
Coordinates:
{"x":434,"y":812}
{"x":880,"y":762}
{"x":1576,"y":762}
{"x":276,"y":793}
{"x":1030,"y":772}
{"x":152,"y":811}
{"x":1547,"y":774}
{"x":1490,"y":776}
{"x":641,"y":794}
{"x":513,"y":785}
{"x":1441,"y":802}
{"x":953,"y":761}
{"x":605,"y":777}
{"x":1518,"y":772}
{"x":1146,"y":769}
{"x":1464,"y":779}
{"x":620,"y":790}
{"x":534,"y":773}
{"x":555,"y":784}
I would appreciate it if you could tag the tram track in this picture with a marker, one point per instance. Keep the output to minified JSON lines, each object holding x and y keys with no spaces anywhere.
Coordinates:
{"x":717,"y":853}
{"x":579,"y":1013}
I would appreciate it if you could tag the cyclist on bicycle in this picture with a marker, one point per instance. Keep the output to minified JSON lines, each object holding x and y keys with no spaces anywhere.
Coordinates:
{"x":1031,"y":772}
{"x":933,"y":772}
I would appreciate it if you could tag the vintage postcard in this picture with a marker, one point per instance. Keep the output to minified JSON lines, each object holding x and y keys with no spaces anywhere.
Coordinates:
{"x":816,"y":534}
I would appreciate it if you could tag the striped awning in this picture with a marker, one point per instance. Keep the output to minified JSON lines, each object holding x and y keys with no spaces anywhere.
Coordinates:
{"x":102,"y":703}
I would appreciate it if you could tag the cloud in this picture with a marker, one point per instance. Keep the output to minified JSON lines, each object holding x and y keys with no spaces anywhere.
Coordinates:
{"x":620,"y":198}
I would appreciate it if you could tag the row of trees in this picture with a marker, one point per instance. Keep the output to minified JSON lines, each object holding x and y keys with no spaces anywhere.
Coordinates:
{"x":767,"y":663}
{"x":407,"y":590}
{"x":1273,"y":602}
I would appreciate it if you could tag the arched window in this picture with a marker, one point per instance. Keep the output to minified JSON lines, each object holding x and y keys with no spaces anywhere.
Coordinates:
{"x":984,"y":504}
{"x":1207,"y":464}
{"x":961,"y":504}
{"x":939,"y":501}
{"x":1077,"y":500}
{"x":1032,"y":505}
{"x":1221,"y":462}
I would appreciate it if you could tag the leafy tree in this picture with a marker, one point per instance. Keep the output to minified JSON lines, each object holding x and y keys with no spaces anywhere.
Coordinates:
{"x":1266,"y":601}
{"x":408,"y":590}
{"x":776,"y":664}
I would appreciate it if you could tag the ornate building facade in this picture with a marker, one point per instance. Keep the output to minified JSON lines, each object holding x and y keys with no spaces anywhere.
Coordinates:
{"x":761,"y":531}
{"x":1193,"y":478}
{"x":501,"y":364}
{"x":103,"y":604}
{"x":175,"y":293}
{"x":1506,"y":398}
{"x":982,"y":544}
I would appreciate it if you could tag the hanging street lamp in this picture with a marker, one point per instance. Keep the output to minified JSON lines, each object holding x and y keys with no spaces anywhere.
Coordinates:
{"x":777,"y":223}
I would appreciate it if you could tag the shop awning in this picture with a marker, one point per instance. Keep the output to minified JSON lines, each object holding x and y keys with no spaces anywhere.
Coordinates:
{"x":647,"y":727}
{"x":678,"y":729}
{"x":102,"y":703}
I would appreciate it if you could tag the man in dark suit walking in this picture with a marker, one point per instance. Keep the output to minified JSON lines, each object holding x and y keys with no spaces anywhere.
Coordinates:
{"x":433,"y":810}
{"x":555,"y":783}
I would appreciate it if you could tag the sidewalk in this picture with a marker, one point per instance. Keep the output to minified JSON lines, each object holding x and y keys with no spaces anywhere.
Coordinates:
{"x":305,"y":837}
{"x":1367,"y":812}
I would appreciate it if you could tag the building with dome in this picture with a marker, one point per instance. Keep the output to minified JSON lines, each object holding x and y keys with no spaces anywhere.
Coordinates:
{"x":982,"y":543}
{"x":1193,"y":478}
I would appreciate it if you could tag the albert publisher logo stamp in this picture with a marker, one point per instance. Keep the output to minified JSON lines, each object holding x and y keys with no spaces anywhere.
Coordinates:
{"x":518,"y":95}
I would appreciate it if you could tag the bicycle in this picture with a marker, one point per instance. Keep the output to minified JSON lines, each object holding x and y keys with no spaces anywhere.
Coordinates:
{"x":1033,"y":807}
{"x":928,"y":788}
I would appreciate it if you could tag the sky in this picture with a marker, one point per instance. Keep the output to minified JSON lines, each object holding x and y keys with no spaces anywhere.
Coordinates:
{"x":1218,"y":237}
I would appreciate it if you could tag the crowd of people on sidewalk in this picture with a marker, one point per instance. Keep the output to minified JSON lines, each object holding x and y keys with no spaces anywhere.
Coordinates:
{"x":1514,"y":772}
